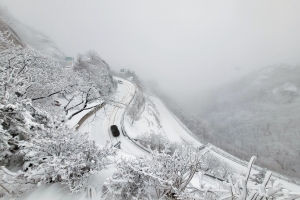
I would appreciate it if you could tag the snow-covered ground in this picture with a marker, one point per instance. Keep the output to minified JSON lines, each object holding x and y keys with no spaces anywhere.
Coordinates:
{"x":56,"y":191}
{"x":74,"y":121}
{"x":149,"y":121}
{"x":98,"y":126}
{"x":155,"y":117}
{"x":173,"y":130}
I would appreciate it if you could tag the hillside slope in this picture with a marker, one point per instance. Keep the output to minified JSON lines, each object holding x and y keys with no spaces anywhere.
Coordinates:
{"x":259,"y":116}
{"x":22,"y":35}
{"x":10,"y":34}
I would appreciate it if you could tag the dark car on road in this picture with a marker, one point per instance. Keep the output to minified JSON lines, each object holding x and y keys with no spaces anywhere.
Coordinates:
{"x":115,"y":131}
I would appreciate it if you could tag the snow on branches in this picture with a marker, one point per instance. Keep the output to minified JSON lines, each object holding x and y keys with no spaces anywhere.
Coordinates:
{"x":94,"y":83}
{"x":156,"y":141}
{"x":61,"y":156}
{"x":95,"y":71}
{"x":50,"y":151}
{"x":165,"y":176}
{"x":136,"y":106}
{"x":5,"y":43}
{"x":17,"y":123}
{"x":19,"y":119}
{"x":27,"y":74}
{"x":162,"y":175}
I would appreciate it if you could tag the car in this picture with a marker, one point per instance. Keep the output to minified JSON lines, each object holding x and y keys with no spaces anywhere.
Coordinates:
{"x":114,"y":130}
{"x":120,"y":82}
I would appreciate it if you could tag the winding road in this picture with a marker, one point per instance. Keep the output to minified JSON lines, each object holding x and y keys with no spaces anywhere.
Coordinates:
{"x":98,"y":125}
{"x":99,"y":128}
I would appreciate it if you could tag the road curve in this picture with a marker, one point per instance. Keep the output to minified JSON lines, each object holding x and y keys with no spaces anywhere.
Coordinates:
{"x":98,"y":125}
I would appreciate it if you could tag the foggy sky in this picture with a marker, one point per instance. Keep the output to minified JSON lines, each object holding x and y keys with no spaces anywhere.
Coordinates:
{"x":186,"y":46}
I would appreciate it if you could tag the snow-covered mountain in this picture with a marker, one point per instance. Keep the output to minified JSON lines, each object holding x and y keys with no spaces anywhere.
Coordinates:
{"x":259,"y":115}
{"x":10,"y":33}
{"x":56,"y":159}
{"x":23,"y":35}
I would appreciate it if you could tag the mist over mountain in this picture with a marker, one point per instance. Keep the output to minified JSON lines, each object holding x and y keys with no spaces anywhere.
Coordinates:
{"x":257,"y":115}
{"x":259,"y":110}
{"x":194,"y":131}
{"x":23,"y":35}
{"x":10,"y":34}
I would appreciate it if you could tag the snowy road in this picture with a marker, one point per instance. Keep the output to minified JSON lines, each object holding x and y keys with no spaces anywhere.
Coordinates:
{"x":99,"y":125}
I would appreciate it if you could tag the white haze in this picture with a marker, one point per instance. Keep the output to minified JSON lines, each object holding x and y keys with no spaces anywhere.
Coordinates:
{"x":186,"y":46}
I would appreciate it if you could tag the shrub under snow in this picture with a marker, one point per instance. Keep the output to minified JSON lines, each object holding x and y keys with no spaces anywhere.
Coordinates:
{"x":156,"y":141}
{"x":62,"y":156}
{"x":162,"y":175}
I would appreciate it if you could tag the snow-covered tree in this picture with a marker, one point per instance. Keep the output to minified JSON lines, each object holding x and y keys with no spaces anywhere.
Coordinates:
{"x":5,"y":152}
{"x":5,"y":43}
{"x":160,"y":176}
{"x":152,"y":140}
{"x":136,"y":106}
{"x":259,"y":177}
{"x":95,"y":71}
{"x":215,"y":166}
{"x":50,"y":151}
{"x":132,"y":112}
{"x":240,"y":189}
{"x":156,"y":141}
{"x":165,"y":176}
{"x":93,"y":57}
{"x":19,"y":119}
{"x":61,"y":156}
{"x":44,"y":81}
{"x":25,"y":74}
{"x":93,"y":82}
{"x":139,"y":99}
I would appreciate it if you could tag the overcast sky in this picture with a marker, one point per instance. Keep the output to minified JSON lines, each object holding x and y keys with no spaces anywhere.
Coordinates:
{"x":186,"y":46}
